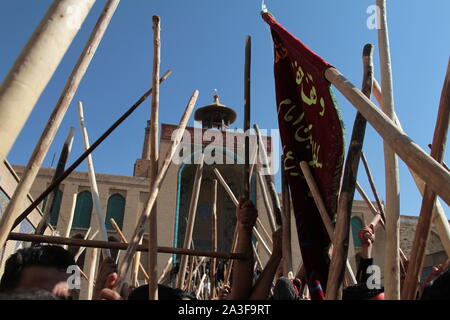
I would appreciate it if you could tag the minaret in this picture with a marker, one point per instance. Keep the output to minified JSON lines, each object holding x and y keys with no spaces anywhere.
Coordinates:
{"x":142,"y":166}
{"x":215,"y":115}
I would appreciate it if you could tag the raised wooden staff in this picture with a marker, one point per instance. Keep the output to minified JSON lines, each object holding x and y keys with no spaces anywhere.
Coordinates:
{"x":271,"y":185}
{"x":165,"y":270}
{"x":247,"y":96}
{"x":119,"y":246}
{"x":214,"y":230}
{"x":93,"y":181}
{"x":154,"y":155}
{"x":344,"y":211}
{"x":124,"y":240}
{"x":140,"y":228}
{"x":34,"y":67}
{"x":304,"y":166}
{"x":392,"y":239}
{"x":80,"y":159}
{"x":439,"y":217}
{"x":286,"y":236}
{"x":191,"y":218}
{"x":423,"y":228}
{"x":65,"y":152}
{"x":28,"y":78}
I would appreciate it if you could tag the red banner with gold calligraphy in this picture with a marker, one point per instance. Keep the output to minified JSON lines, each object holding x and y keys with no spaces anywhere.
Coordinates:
{"x":311,"y":130}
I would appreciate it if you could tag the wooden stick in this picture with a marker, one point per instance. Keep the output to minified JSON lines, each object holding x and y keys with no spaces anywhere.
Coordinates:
{"x":271,"y":185}
{"x":66,"y":234}
{"x":93,"y":267}
{"x":439,"y":217}
{"x":200,"y":286}
{"x":41,"y":64}
{"x":119,"y":246}
{"x":428,"y":169}
{"x":65,"y":152}
{"x":226,"y":187}
{"x":165,"y":270}
{"x":372,"y":185}
{"x":124,"y":240}
{"x":140,"y":228}
{"x":86,"y":237}
{"x":247,"y":75}
{"x":263,"y":243}
{"x":34,"y":67}
{"x":423,"y":228}
{"x":77,"y":162}
{"x":214,"y":228}
{"x":233,"y":197}
{"x":265,"y":197}
{"x":258,"y":259}
{"x":253,"y":163}
{"x":344,"y":211}
{"x":191,"y":218}
{"x":323,"y":212}
{"x":286,"y":222}
{"x":154,"y":154}
{"x":93,"y":181}
{"x":392,"y":239}
{"x":264,"y":231}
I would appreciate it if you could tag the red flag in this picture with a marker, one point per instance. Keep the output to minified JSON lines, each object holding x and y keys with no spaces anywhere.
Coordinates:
{"x":311,"y":130}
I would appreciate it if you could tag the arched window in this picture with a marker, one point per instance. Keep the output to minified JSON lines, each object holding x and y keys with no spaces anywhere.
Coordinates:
{"x":56,"y":206}
{"x":83,"y":210}
{"x":115,"y":210}
{"x":357,"y":225}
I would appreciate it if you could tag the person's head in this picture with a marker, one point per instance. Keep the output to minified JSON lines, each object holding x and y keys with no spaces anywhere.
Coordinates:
{"x":439,"y":288}
{"x":164,"y":293}
{"x":38,"y":267}
{"x":286,"y":289}
{"x":33,"y":294}
{"x":361,"y":292}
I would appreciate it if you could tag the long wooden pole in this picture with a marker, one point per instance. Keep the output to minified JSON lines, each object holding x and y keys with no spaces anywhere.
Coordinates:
{"x":140,"y":228}
{"x":439,"y":217}
{"x":214,"y":230}
{"x":87,"y":236}
{"x":423,"y":228}
{"x":247,"y":96}
{"x":93,"y":181}
{"x":81,"y":158}
{"x":32,"y":71}
{"x":154,"y":155}
{"x":270,"y":184}
{"x":392,"y":239}
{"x":119,"y":246}
{"x":49,"y":205}
{"x":124,"y":240}
{"x":68,"y":226}
{"x":191,"y":218}
{"x":286,"y":221}
{"x":341,"y":231}
{"x":34,"y":67}
{"x":323,"y":213}
{"x":372,"y":184}
{"x":265,"y":197}
{"x":165,"y":270}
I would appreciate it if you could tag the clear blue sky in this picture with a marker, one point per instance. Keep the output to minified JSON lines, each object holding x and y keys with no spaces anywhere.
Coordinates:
{"x":203,"y":42}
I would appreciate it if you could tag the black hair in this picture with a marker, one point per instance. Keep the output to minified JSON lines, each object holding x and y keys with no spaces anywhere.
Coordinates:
{"x":34,"y":294}
{"x":360,"y":292}
{"x":38,"y":255}
{"x":439,"y":289}
{"x":164,"y":293}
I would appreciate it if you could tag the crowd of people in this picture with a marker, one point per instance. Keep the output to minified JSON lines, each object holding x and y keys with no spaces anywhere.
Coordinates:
{"x":38,"y":272}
